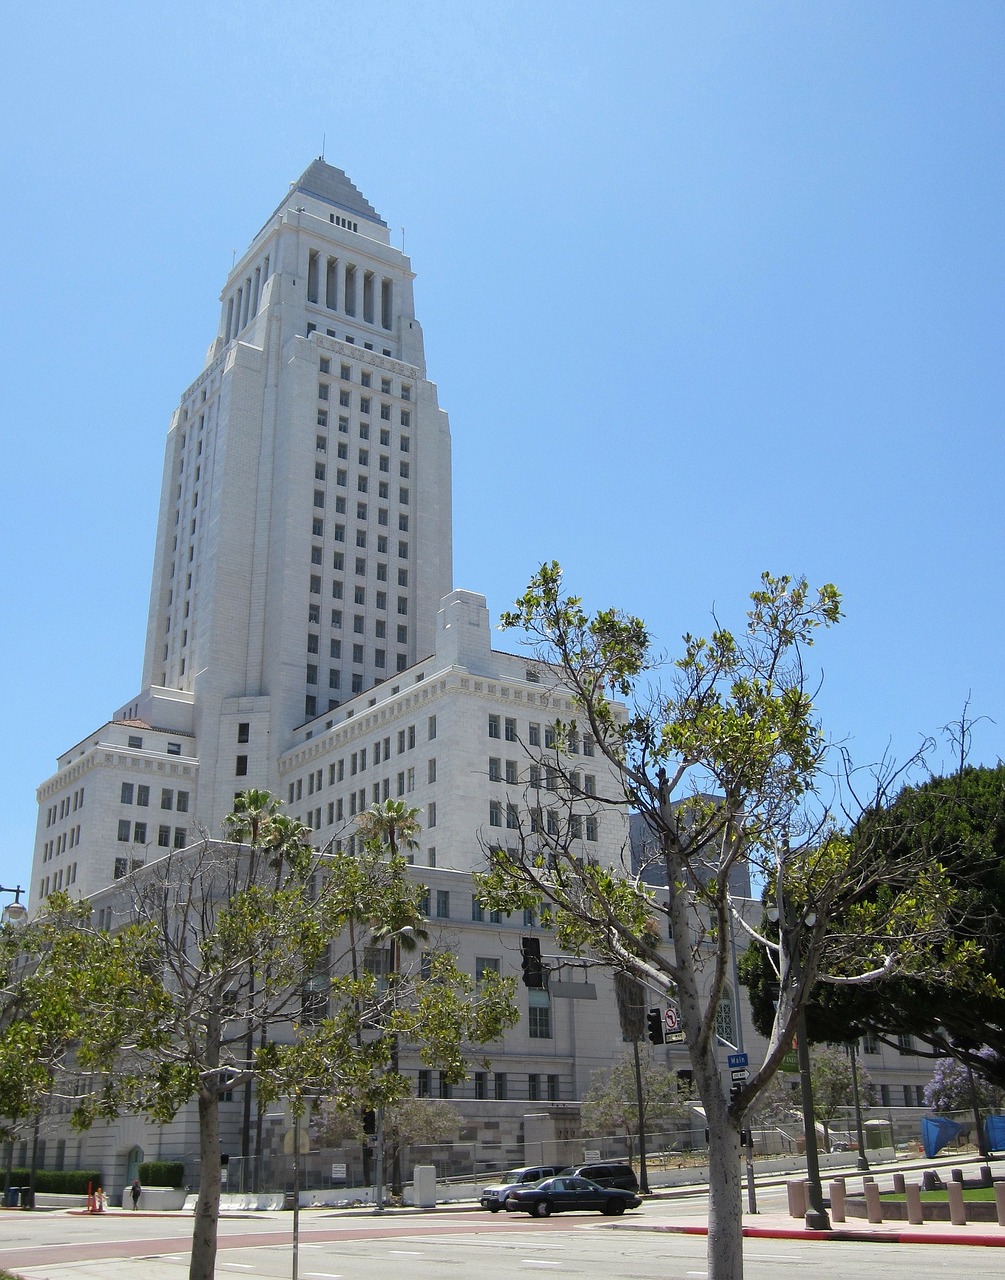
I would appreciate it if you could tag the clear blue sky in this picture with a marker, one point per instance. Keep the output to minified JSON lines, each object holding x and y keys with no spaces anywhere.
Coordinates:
{"x":707,"y":289}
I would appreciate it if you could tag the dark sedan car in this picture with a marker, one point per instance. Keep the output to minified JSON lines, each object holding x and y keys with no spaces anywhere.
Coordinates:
{"x":555,"y":1195}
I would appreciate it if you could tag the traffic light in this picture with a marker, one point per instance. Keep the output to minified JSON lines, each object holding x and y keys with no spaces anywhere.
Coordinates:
{"x":369,"y":1123}
{"x":655,"y":1020}
{"x":530,"y":963}
{"x":734,"y":1093}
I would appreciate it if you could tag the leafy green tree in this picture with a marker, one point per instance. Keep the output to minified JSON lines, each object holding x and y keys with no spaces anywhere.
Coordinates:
{"x":72,"y":1000}
{"x":957,"y":821}
{"x":250,"y":945}
{"x":410,"y":1121}
{"x":726,"y":765}
{"x":611,"y":1105}
{"x":830,"y":1067}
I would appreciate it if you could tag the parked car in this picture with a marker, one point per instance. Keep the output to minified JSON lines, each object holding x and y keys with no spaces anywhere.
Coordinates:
{"x":494,"y":1198}
{"x":609,"y":1174}
{"x":556,"y":1195}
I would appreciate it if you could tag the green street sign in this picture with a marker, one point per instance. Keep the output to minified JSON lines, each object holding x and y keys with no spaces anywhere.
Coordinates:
{"x":791,"y":1061}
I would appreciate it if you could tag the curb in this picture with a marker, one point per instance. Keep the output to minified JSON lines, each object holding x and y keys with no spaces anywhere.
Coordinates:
{"x":856,"y":1237}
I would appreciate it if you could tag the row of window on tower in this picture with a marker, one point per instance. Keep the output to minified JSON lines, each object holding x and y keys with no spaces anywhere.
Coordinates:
{"x":354,"y":291}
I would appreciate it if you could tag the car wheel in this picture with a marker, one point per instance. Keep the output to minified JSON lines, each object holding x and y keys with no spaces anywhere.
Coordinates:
{"x":494,"y":1208}
{"x":542,"y":1208}
{"x":614,"y":1207}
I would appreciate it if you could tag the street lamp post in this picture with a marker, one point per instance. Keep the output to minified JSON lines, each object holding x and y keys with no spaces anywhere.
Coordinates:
{"x":862,"y":1164}
{"x":816,"y":1213}
{"x":14,"y":912}
{"x":296,"y":1192}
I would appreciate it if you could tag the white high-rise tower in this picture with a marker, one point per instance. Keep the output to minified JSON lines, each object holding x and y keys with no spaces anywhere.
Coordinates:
{"x":303,"y":544}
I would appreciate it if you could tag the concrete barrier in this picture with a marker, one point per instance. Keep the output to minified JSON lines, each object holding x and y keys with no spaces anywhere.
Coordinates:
{"x":912,"y":1194}
{"x":1000,"y":1202}
{"x":837,"y":1194}
{"x":797,"y":1198}
{"x":957,"y":1208}
{"x":873,"y":1204}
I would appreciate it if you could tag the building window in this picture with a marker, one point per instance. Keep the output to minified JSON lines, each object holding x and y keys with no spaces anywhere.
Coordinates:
{"x":477,"y":910}
{"x":121,"y":867}
{"x":539,"y":1014}
{"x":443,"y":904}
{"x":500,"y":1086}
{"x":512,"y":817}
{"x":553,"y":1093}
{"x":164,"y":837}
{"x":494,"y":727}
{"x":484,"y":965}
{"x":481,"y":1084}
{"x":534,"y":735}
{"x":244,"y":728}
{"x":126,"y":794}
{"x":423,"y":1089}
{"x":140,"y":833}
{"x":725,"y":1026}
{"x":495,"y":813}
{"x":592,"y":828}
{"x":905,"y":1045}
{"x":431,"y":728}
{"x":143,"y":796}
{"x":431,"y":814}
{"x":125,"y":827}
{"x":534,"y":1087}
{"x":135,"y":742}
{"x":495,"y":774}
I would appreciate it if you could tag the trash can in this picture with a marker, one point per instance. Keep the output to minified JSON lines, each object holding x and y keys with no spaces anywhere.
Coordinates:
{"x":26,"y":1197}
{"x":13,"y":1194}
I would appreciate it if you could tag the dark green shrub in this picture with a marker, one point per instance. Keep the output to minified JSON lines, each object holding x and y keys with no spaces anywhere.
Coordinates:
{"x":63,"y":1182}
{"x":162,"y":1173}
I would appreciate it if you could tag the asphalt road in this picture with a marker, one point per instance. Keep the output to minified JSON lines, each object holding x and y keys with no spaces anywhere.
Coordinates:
{"x":126,"y":1247}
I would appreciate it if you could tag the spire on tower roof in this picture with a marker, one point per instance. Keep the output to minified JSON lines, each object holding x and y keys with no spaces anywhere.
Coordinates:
{"x":325,"y":182}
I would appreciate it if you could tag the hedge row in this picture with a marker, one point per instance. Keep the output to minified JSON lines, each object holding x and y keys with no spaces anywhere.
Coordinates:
{"x":162,"y":1173}
{"x":66,"y":1182}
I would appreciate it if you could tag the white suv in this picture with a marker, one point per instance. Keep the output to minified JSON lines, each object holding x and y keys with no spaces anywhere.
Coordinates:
{"x":494,"y":1198}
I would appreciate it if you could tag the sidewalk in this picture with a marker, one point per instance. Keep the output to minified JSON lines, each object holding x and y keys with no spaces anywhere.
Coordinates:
{"x":779,"y":1226}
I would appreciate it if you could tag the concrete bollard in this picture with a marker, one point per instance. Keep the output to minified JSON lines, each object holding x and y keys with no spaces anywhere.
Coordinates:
{"x":956,"y":1175}
{"x":912,"y":1193}
{"x":837,"y":1193}
{"x":1000,"y":1202}
{"x":873,"y":1204}
{"x":957,"y":1209}
{"x":898,"y":1183}
{"x":797,"y":1199}
{"x":986,"y":1179}
{"x":930,"y":1180}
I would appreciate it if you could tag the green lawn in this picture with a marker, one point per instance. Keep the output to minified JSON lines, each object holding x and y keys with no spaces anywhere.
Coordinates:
{"x":969,"y":1193}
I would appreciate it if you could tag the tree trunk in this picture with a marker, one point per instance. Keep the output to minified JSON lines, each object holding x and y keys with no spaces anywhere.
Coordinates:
{"x":207,"y":1207}
{"x":725,"y":1225}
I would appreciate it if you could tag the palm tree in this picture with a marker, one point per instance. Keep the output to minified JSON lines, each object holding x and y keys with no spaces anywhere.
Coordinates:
{"x":392,"y":827}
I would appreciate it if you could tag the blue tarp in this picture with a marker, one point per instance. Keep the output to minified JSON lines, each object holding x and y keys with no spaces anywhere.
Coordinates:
{"x":936,"y":1131}
{"x":994,"y":1131}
